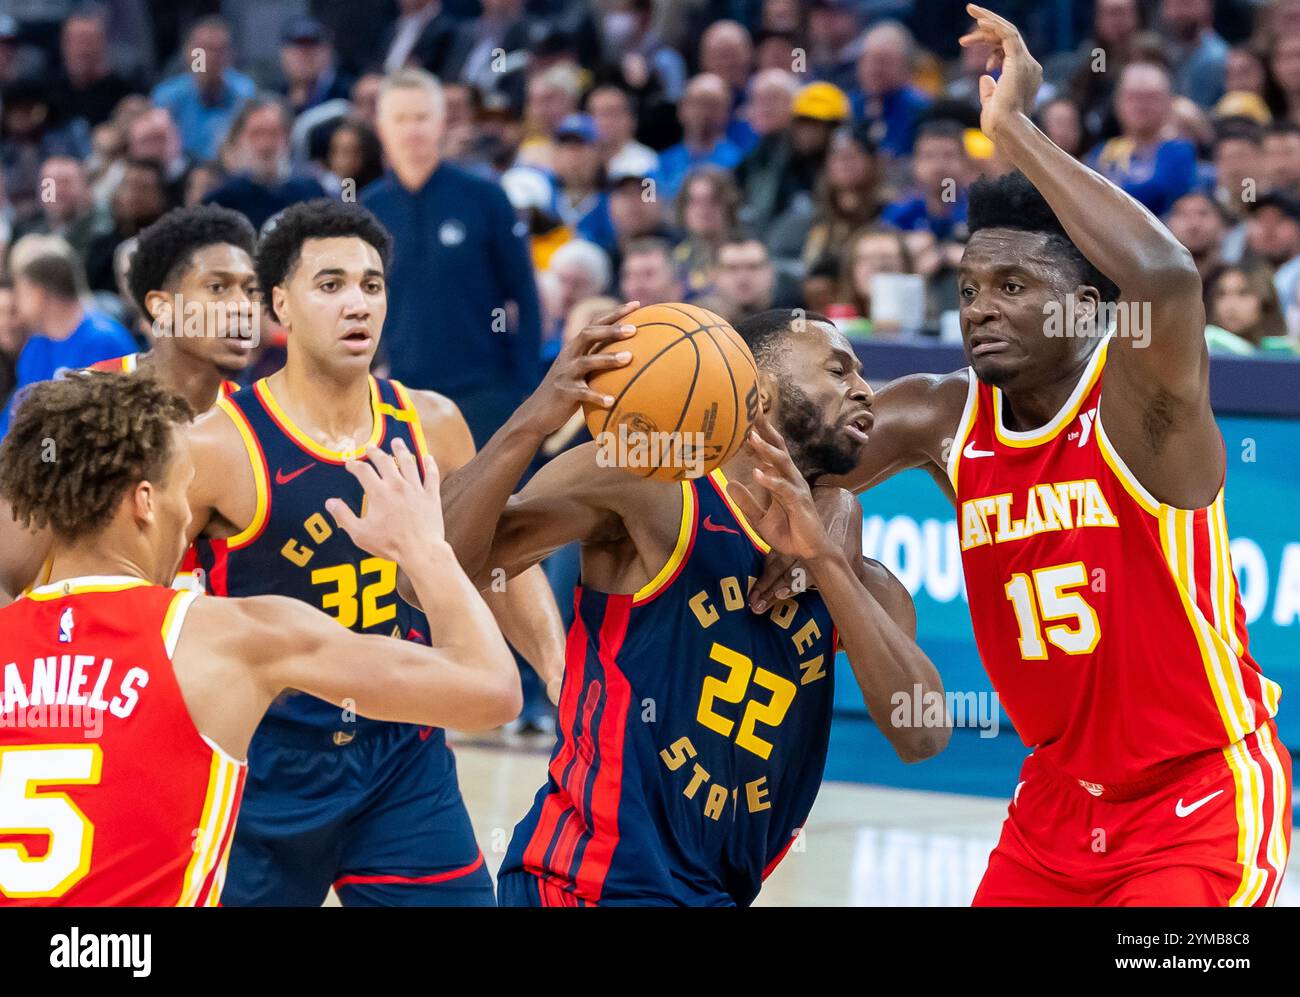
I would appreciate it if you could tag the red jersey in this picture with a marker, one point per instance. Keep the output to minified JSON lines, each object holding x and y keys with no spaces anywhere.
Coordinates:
{"x":1109,"y":622}
{"x":130,"y":363}
{"x":109,"y":795}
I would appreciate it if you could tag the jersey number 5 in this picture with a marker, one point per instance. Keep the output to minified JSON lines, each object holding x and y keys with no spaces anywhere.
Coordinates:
{"x":1044,"y":596}
{"x":50,"y":814}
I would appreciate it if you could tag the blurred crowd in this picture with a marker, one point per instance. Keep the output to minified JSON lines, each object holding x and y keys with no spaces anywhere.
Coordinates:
{"x":741,"y":154}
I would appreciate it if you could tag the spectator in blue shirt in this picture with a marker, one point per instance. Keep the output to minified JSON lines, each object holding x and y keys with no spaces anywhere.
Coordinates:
{"x":885,"y":98}
{"x":203,"y":100}
{"x":463,"y":314}
{"x":1144,"y":159}
{"x":49,"y":291}
{"x":579,"y":201}
{"x":265,"y":186}
{"x":940,"y":171}
{"x":704,"y":112}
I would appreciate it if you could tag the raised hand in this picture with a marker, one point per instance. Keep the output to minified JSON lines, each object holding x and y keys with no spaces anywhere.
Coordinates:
{"x":565,"y":386}
{"x":778,"y":502}
{"x":402,"y":513}
{"x":1021,"y":75}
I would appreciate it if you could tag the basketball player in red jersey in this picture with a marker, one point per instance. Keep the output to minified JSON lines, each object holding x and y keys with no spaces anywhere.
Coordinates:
{"x":192,"y":274}
{"x":127,"y":706}
{"x":192,"y":277}
{"x":1088,"y":476}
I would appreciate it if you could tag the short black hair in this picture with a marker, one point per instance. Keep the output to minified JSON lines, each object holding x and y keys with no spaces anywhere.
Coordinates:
{"x":1011,"y":201}
{"x":765,"y":333}
{"x":166,"y":248}
{"x":1238,"y":128}
{"x":942,"y":128}
{"x":321,"y":218}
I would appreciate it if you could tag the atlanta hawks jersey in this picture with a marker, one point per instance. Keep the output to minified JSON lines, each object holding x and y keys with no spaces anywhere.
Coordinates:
{"x":692,"y":733}
{"x":109,"y":795}
{"x":1109,"y":622}
{"x":292,"y":546}
{"x":130,"y":363}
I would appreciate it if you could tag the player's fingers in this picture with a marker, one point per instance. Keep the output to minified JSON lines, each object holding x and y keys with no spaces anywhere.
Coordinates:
{"x":593,"y":337}
{"x":627,"y":308}
{"x":383,"y":463}
{"x":407,"y":466}
{"x":584,"y":395}
{"x":771,"y":448}
{"x":771,"y":582}
{"x":781,"y":488}
{"x":363,"y":472}
{"x":591,"y":362}
{"x":745,"y":500}
{"x":344,"y":518}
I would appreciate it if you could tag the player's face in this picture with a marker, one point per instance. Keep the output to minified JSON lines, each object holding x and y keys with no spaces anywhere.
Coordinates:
{"x":823,"y":408}
{"x":334,"y":301}
{"x":172,"y":510}
{"x":1012,"y":287}
{"x":215,"y":318}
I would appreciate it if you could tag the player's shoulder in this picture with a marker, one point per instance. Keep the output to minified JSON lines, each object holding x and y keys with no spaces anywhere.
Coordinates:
{"x":435,"y":410}
{"x":888,"y":590}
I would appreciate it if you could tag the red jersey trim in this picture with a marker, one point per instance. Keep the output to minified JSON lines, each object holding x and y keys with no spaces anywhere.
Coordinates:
{"x":309,"y":446}
{"x":1043,"y":434}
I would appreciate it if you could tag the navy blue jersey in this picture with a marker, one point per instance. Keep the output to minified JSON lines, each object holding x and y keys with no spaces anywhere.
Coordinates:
{"x":293,"y":547}
{"x":692,"y":733}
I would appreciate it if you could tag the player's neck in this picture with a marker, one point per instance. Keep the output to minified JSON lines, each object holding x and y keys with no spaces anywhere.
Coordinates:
{"x":94,"y":558}
{"x":196,"y":380}
{"x":327,"y":410}
{"x":1027,"y":409}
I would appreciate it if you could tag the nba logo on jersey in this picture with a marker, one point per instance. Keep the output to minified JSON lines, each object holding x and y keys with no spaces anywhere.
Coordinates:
{"x":65,"y":626}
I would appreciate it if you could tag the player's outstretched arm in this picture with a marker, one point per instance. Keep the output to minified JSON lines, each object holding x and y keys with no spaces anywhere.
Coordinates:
{"x":876,"y":621}
{"x":475,"y":494}
{"x":1117,"y":234}
{"x":467,"y":680}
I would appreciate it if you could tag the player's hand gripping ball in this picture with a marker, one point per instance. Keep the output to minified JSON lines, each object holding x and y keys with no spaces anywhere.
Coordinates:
{"x":685,"y":402}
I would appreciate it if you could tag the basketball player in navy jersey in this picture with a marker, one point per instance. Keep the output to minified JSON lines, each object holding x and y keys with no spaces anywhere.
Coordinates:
{"x":371,"y":808}
{"x":692,"y":732}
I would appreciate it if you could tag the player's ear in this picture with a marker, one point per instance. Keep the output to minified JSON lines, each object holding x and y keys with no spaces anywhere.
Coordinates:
{"x":769,"y":392}
{"x":1086,"y":301}
{"x":158,"y":305}
{"x":279,"y":301}
{"x":142,"y":502}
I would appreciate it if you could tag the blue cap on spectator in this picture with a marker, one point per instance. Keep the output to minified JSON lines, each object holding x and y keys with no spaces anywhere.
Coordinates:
{"x":576,"y":126}
{"x":8,"y":29}
{"x":303,"y":30}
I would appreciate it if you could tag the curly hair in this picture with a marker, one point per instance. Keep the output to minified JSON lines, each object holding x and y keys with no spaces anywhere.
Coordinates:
{"x":1011,"y":201}
{"x":78,"y":444}
{"x":165,"y":249}
{"x":321,"y":218}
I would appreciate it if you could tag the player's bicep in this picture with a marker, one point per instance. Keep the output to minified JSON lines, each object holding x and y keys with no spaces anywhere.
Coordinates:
{"x":570,"y":499}
{"x":891,"y":593}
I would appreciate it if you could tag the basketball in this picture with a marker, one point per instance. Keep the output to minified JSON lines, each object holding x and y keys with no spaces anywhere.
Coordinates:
{"x":684,"y":403}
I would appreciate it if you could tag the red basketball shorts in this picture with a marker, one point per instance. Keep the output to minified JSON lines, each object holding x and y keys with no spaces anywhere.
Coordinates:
{"x":1217,"y":833}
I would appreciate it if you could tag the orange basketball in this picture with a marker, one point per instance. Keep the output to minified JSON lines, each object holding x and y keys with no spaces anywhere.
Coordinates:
{"x":684,"y":404}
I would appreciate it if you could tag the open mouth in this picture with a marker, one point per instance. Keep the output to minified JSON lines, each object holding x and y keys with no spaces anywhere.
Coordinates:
{"x":358,"y":338}
{"x":859,"y":427}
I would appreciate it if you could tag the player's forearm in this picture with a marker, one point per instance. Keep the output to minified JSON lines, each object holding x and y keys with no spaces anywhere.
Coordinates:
{"x":530,"y":619}
{"x":886,"y":661}
{"x":465,"y":626}
{"x":1117,"y":234}
{"x":474,"y":495}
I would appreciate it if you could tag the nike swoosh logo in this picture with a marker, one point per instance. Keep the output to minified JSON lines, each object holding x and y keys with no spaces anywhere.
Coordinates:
{"x":1183,"y":811}
{"x":972,"y":453}
{"x":713,"y":527}
{"x":283,"y":479}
